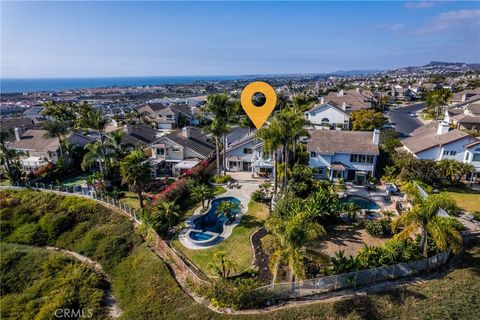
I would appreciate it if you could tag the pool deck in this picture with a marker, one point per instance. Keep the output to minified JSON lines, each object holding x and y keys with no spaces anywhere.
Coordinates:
{"x":242,"y":194}
{"x":376,"y":195}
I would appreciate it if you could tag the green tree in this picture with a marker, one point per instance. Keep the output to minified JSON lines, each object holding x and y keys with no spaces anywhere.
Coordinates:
{"x":367,"y":120}
{"x":352,"y":210}
{"x":292,"y":239}
{"x":229,"y":209}
{"x":9,"y":158}
{"x":436,"y":100}
{"x":454,"y":170}
{"x":272,"y":140}
{"x":423,"y":219}
{"x":55,"y":129}
{"x":222,"y":265}
{"x":203,"y":193}
{"x":136,"y":173}
{"x":169,"y":210}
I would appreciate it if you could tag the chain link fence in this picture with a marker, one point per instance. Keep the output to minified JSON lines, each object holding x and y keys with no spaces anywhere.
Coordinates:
{"x":293,"y":290}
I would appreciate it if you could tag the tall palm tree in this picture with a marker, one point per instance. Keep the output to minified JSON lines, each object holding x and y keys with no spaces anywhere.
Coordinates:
{"x":220,"y":106}
{"x":423,"y":219}
{"x":92,"y":156}
{"x":140,"y":116}
{"x":272,"y":140}
{"x":5,"y":135}
{"x":169,"y":210}
{"x":291,"y":240}
{"x":222,"y":265}
{"x":136,"y":173}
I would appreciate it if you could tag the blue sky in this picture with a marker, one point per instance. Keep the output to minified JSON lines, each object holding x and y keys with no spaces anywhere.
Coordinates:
{"x":90,"y":39}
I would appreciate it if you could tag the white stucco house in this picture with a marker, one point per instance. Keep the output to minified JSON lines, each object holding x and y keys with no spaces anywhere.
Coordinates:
{"x":350,"y":155}
{"x":244,"y":153}
{"x":328,"y":116}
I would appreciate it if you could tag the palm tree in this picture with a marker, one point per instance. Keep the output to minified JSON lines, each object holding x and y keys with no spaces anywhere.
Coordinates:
{"x":92,"y":156}
{"x":220,"y":106}
{"x":222,"y":265}
{"x":141,"y":116}
{"x":423,"y":219}
{"x":202,"y":192}
{"x":229,"y":209}
{"x":169,"y":210}
{"x":55,"y":129}
{"x":291,"y":240}
{"x":136,"y":172}
{"x":5,"y":135}
{"x":272,"y":140}
{"x":115,"y":145}
{"x":352,"y":209}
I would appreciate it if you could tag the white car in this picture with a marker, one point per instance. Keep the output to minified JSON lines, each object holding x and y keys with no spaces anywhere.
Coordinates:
{"x":413,"y":114}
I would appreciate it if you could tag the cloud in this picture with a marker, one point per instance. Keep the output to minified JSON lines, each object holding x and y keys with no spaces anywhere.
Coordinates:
{"x":451,"y":20}
{"x":419,"y":4}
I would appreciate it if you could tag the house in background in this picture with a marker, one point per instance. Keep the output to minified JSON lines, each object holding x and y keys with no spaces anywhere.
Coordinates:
{"x":350,"y":100}
{"x":37,"y":151}
{"x":465,"y":115}
{"x":244,"y":153}
{"x":328,"y":116}
{"x":169,"y":117}
{"x":348,"y":155}
{"x":178,"y":151}
{"x":472,"y":156}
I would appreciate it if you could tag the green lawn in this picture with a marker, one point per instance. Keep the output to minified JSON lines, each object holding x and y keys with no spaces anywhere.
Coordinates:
{"x":339,"y":187}
{"x":130,"y":199}
{"x":75,"y":181}
{"x":4,"y":182}
{"x":237,"y":246}
{"x":465,"y":198}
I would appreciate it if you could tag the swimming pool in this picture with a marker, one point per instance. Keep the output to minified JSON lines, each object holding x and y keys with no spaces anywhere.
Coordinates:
{"x":207,"y":228}
{"x":363,"y":203}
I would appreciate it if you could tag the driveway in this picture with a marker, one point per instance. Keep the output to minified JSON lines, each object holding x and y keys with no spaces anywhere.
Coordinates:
{"x":402,"y":121}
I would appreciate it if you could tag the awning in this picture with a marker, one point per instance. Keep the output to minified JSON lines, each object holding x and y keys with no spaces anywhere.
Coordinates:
{"x":338,"y":166}
{"x":186,"y":164}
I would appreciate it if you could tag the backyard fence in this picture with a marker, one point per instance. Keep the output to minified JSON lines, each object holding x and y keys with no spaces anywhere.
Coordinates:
{"x":180,"y":268}
{"x":293,"y":290}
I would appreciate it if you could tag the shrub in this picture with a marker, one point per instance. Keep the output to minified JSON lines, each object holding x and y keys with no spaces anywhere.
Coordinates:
{"x":378,"y":228}
{"x":221,"y":180}
{"x":476,"y":215}
{"x":236,"y":294}
{"x":29,"y":233}
{"x":258,"y":196}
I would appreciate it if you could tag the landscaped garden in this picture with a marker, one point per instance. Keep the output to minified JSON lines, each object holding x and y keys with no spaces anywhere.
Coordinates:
{"x":465,"y":198}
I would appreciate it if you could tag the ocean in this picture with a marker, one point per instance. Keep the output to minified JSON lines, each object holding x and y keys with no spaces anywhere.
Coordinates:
{"x":10,"y":85}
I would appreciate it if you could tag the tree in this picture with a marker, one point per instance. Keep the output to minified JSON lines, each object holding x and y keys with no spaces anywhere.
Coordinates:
{"x":423,"y":219}
{"x":367,"y":120}
{"x":229,"y":209}
{"x":435,"y":100}
{"x":222,"y":265}
{"x":292,"y":239}
{"x":55,"y":129}
{"x":202,"y":192}
{"x":454,"y":170}
{"x":220,"y":106}
{"x":272,"y":140}
{"x":139,"y":116}
{"x":136,"y":173}
{"x":169,"y":210}
{"x":352,"y":210}
{"x":92,"y":156}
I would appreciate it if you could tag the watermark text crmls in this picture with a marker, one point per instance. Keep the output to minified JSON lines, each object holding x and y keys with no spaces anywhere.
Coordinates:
{"x":73,"y":313}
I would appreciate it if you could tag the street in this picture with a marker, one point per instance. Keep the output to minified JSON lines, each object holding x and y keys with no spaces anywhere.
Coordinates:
{"x":402,"y":121}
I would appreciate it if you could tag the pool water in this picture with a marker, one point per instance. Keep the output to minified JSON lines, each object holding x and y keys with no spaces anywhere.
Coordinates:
{"x":363,"y":203}
{"x":200,"y":236}
{"x":210,"y":221}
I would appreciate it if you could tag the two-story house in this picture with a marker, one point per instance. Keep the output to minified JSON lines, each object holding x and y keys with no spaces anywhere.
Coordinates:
{"x":436,"y":141}
{"x":472,"y":156}
{"x":244,"y":153}
{"x":328,"y":115}
{"x":179,"y":151}
{"x":168,"y":117}
{"x":36,"y":150}
{"x":349,"y":155}
{"x":465,"y":115}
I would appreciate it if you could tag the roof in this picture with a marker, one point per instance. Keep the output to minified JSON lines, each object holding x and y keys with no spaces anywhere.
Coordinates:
{"x":326,"y":104}
{"x":197,"y":141}
{"x":139,"y":134}
{"x":355,"y":100}
{"x":427,"y":138}
{"x":336,"y":141}
{"x":16,"y":122}
{"x":33,"y":140}
{"x":473,"y":144}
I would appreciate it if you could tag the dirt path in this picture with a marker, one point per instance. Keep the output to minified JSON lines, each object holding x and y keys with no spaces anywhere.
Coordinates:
{"x":113,"y":310}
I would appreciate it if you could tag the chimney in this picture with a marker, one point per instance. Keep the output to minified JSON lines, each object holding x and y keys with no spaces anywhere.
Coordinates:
{"x":322,"y":100}
{"x":344,"y":106}
{"x":18,"y":134}
{"x":464,"y":97}
{"x":376,"y":137}
{"x":186,"y":132}
{"x":443,"y":128}
{"x":340,"y":93}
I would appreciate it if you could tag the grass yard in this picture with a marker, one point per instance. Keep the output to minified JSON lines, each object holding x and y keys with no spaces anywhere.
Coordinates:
{"x":237,"y":246}
{"x":465,"y":198}
{"x":74,"y":181}
{"x":4,"y":182}
{"x":130,"y":199}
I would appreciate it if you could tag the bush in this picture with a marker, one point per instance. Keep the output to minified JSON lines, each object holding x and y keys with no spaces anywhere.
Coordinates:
{"x":236,"y":294}
{"x":29,"y":233}
{"x":378,"y":228}
{"x":221,"y":180}
{"x":258,"y":196}
{"x":476,"y":215}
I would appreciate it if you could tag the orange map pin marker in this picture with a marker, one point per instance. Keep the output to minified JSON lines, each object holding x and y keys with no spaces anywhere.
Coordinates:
{"x":258,"y":115}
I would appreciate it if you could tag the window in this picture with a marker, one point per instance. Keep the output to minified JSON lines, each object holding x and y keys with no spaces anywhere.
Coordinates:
{"x":445,"y":152}
{"x":476,"y":155}
{"x":320,"y":171}
{"x":160,"y":152}
{"x":325,"y":121}
{"x":175,"y":149}
{"x":313,"y":154}
{"x":247,"y":151}
{"x":362,"y":158}
{"x":452,"y":153}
